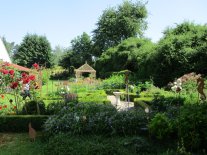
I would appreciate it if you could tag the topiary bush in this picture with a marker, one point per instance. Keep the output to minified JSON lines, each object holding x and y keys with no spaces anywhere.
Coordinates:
{"x":31,"y":107}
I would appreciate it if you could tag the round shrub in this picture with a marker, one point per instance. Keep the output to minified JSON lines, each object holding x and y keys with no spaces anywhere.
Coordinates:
{"x":160,"y":126}
{"x":31,"y":107}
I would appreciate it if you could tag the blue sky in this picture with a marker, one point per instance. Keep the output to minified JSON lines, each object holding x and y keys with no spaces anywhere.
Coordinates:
{"x":63,"y":20}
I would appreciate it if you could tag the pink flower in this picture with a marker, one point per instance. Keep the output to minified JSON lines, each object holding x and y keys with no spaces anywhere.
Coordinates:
{"x":5,"y":71}
{"x":36,"y":66}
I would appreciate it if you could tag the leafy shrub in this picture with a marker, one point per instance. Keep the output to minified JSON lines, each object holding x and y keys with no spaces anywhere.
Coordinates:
{"x":67,"y":144}
{"x":63,"y":75}
{"x":132,"y":96}
{"x":32,"y":109}
{"x":96,"y":118}
{"x":192,"y":126}
{"x":143,"y":86}
{"x":143,"y":102}
{"x":19,"y":123}
{"x":55,"y":107}
{"x":93,"y":97}
{"x":160,"y":126}
{"x":114,"y":82}
{"x":161,"y":103}
{"x":110,"y":91}
{"x":128,"y":122}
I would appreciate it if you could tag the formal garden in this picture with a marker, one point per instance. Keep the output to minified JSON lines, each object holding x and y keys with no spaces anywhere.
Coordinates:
{"x":113,"y":93}
{"x":75,"y":116}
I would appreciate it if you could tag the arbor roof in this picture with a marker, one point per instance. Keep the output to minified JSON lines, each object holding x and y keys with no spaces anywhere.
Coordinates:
{"x":85,"y":68}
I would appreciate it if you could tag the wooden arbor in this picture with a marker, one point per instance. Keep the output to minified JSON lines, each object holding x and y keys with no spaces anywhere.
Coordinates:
{"x":85,"y":69}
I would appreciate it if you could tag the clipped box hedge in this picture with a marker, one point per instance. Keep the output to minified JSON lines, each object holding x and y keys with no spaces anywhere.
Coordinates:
{"x":132,"y":96}
{"x":19,"y":123}
{"x":143,"y":102}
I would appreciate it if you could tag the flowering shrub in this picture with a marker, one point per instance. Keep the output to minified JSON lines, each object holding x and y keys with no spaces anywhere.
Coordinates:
{"x":11,"y":81}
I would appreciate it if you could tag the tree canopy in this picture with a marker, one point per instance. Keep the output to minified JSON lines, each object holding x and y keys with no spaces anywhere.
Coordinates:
{"x":118,"y":24}
{"x":34,"y":49}
{"x":183,"y":49}
{"x":131,"y":54}
{"x":81,"y":51}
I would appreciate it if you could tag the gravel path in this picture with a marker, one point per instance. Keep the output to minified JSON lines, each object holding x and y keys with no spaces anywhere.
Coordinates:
{"x":122,"y":106}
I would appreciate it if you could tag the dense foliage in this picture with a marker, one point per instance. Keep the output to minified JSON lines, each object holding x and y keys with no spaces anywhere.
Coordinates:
{"x":132,"y":54}
{"x":118,"y":24}
{"x":34,"y":49}
{"x":181,"y":50}
{"x":80,"y":52}
{"x":19,"y":123}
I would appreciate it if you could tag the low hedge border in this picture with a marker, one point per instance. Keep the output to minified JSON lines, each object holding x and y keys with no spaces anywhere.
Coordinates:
{"x":19,"y":123}
{"x":143,"y":102}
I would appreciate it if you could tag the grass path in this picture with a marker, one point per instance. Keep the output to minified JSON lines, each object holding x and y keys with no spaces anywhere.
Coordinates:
{"x":19,"y":144}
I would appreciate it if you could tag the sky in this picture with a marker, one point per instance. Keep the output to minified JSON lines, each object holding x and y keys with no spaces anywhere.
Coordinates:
{"x":63,"y":20}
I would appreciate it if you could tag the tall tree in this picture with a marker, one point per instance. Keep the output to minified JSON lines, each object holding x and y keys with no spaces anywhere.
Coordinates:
{"x":81,"y":51}
{"x":183,"y":49}
{"x":34,"y":49}
{"x":57,"y":54}
{"x":131,"y":54}
{"x":117,"y":24}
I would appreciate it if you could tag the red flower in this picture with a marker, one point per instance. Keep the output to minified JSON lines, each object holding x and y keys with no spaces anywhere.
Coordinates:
{"x":32,"y":77}
{"x":0,"y":107}
{"x":26,"y":80}
{"x":36,"y":66}
{"x":5,"y":106}
{"x":2,"y":96}
{"x":24,"y":74}
{"x":15,"y":107}
{"x":14,"y":85}
{"x":5,"y":71}
{"x":11,"y":72}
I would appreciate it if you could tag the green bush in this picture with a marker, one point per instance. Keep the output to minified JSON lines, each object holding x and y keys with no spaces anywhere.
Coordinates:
{"x":128,"y":122}
{"x":19,"y":123}
{"x":98,"y":96}
{"x":160,"y":126}
{"x":67,"y":144}
{"x":143,"y":102}
{"x":192,"y":126}
{"x":31,"y":107}
{"x":132,"y":96}
{"x":114,"y":82}
{"x":56,"y":106}
{"x":162,"y":103}
{"x":110,"y":91}
{"x":98,"y":119}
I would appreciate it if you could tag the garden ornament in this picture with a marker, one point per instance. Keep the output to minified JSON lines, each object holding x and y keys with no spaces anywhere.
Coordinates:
{"x":32,"y":133}
{"x":177,"y":86}
{"x":200,"y":84}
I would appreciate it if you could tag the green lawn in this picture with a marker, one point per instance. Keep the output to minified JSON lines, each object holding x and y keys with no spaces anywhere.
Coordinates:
{"x":19,"y":144}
